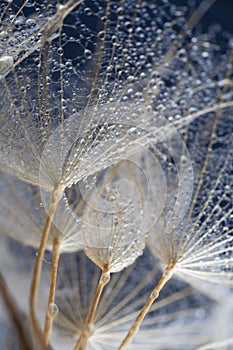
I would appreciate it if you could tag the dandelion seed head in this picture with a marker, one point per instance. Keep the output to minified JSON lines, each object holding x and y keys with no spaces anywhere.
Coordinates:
{"x":22,"y":202}
{"x":119,"y":304}
{"x":86,"y":87}
{"x":202,"y":243}
{"x":133,"y":73}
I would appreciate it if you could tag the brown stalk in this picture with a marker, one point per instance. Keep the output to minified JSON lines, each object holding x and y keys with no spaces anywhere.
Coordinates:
{"x":166,"y":276}
{"x":51,"y":314}
{"x":14,"y":315}
{"x":56,"y":197}
{"x":86,"y":333}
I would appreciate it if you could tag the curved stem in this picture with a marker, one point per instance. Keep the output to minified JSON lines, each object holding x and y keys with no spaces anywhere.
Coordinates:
{"x":56,"y":197}
{"x":86,"y":333}
{"x":51,"y":312}
{"x":14,"y":315}
{"x":153,"y":296}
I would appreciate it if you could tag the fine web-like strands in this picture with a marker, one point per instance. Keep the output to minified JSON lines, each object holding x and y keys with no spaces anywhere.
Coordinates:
{"x":114,"y":221}
{"x":17,"y":264}
{"x":222,"y":331}
{"x":17,"y":267}
{"x":119,"y":303}
{"x":112,"y":76}
{"x":176,"y":319}
{"x":113,"y":225}
{"x":75,"y":102}
{"x":96,"y":81}
{"x":199,"y":245}
{"x":26,"y":27}
{"x":21,"y":202}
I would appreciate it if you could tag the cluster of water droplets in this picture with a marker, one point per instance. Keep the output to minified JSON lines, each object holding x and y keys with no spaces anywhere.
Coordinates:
{"x":109,"y":66}
{"x":23,"y":202}
{"x":111,"y":80}
{"x":20,"y":31}
{"x":114,"y":221}
{"x":202,"y":242}
{"x":124,"y":296}
{"x":87,"y":87}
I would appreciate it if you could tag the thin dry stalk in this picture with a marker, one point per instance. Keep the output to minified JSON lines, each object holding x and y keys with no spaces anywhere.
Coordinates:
{"x":86,"y":333}
{"x":56,"y":197}
{"x":14,"y":315}
{"x":167,"y":275}
{"x":52,"y":311}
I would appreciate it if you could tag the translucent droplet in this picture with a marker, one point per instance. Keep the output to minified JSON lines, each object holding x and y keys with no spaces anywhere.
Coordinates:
{"x":120,"y":11}
{"x":6,"y":64}
{"x":90,"y":330}
{"x":114,"y":39}
{"x":106,"y":277}
{"x":30,"y":23}
{"x":53,"y":310}
{"x":132,"y":132}
{"x":101,"y":35}
{"x":60,"y":50}
{"x":184,"y":160}
{"x":19,"y":22}
{"x":4,"y":35}
{"x":88,"y":54}
{"x":30,"y":3}
{"x":87,"y":11}
{"x":53,"y":36}
{"x":37,"y":61}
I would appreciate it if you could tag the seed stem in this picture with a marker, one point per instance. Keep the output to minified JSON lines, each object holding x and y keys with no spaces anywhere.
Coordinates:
{"x":86,"y":333}
{"x":56,"y":197}
{"x":153,"y":296}
{"x":15,"y":315}
{"x":53,"y":279}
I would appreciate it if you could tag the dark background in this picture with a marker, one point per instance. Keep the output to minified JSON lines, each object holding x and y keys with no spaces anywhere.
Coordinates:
{"x":221,"y":12}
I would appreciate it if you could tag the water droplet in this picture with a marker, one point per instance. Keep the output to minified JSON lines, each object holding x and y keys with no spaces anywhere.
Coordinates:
{"x":120,"y":11}
{"x":53,"y":36}
{"x":69,"y":65}
{"x":6,"y":64}
{"x":112,"y":198}
{"x":30,"y":23}
{"x":60,"y":50}
{"x":53,"y":310}
{"x":132,"y":132}
{"x":114,"y":39}
{"x":4,"y":36}
{"x":91,"y":328}
{"x":184,"y":160}
{"x":87,"y":11}
{"x":101,"y":35}
{"x":19,"y":22}
{"x":88,"y":54}
{"x":30,"y":3}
